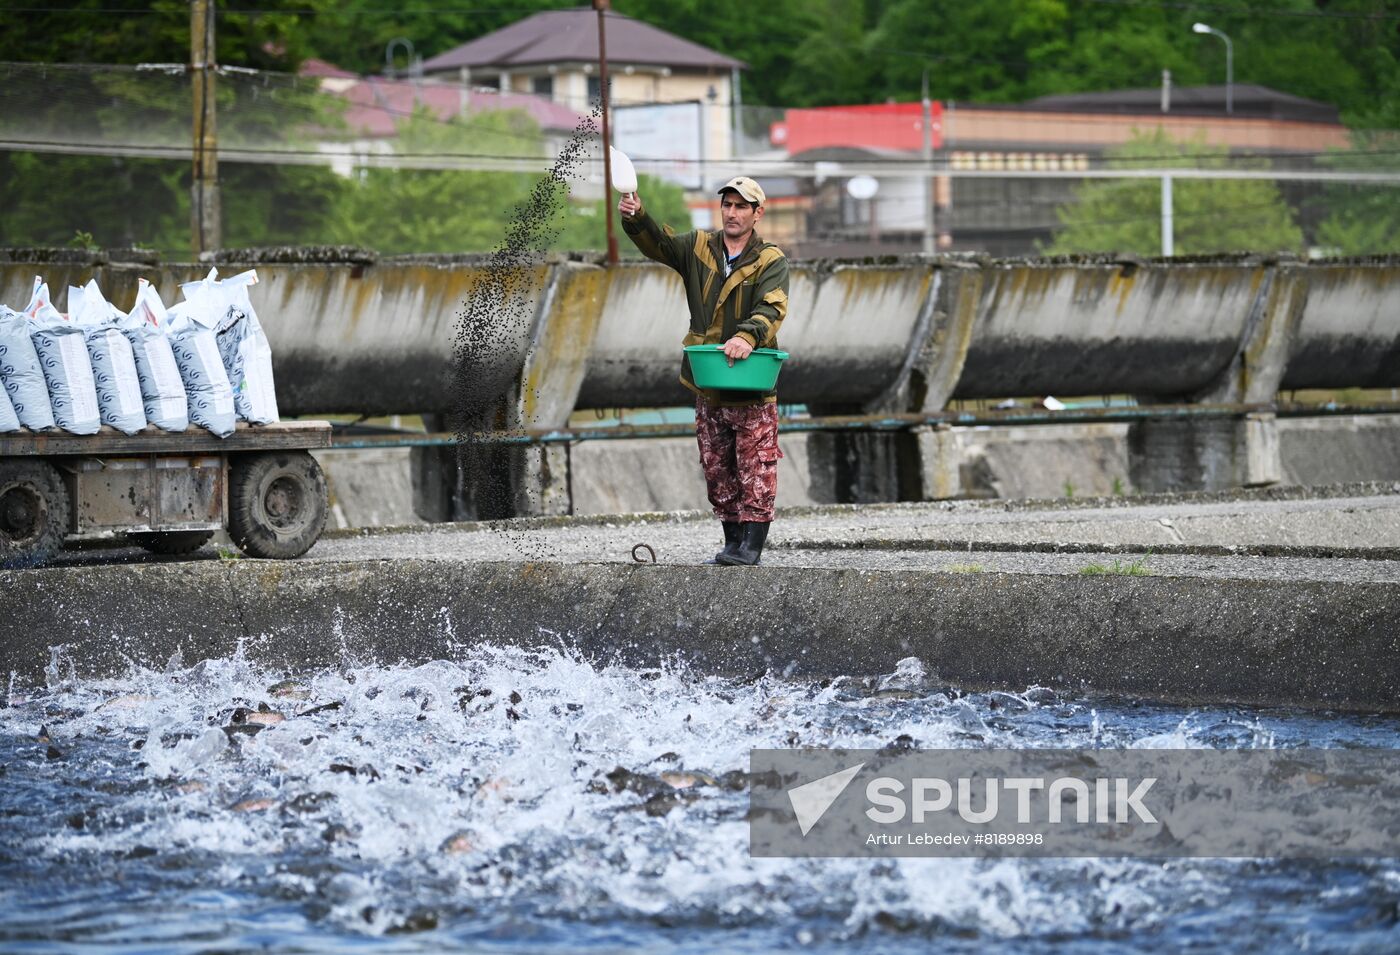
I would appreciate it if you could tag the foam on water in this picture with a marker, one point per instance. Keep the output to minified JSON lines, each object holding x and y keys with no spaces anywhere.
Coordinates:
{"x":536,"y":798}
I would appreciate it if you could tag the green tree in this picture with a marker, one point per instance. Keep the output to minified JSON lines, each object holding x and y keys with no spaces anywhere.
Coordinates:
{"x":765,"y":36}
{"x":125,"y":201}
{"x":398,"y":210}
{"x":261,"y":34}
{"x":584,"y":225}
{"x":45,"y":199}
{"x":276,"y":205}
{"x":1363,"y":219}
{"x":1209,"y":215}
{"x":832,"y":62}
{"x":354,"y":34}
{"x":1012,"y":51}
{"x":810,"y":52}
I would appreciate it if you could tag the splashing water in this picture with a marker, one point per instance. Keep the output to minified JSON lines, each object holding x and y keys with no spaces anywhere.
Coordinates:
{"x":533,"y":800}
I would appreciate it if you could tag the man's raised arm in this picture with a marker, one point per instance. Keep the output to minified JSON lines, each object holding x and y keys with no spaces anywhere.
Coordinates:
{"x":660,"y":245}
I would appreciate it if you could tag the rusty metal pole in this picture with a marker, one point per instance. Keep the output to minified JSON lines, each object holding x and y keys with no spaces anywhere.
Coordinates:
{"x":602,"y":7}
{"x":204,"y":185}
{"x":930,"y":244}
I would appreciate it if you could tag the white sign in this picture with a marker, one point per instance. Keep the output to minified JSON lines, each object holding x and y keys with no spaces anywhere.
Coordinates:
{"x":663,"y":139}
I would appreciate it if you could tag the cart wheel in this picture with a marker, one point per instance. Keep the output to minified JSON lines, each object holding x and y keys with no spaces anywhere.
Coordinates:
{"x":171,"y":542}
{"x":33,"y":512}
{"x":276,"y":503}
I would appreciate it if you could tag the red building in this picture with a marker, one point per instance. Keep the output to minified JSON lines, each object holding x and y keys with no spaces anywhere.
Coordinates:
{"x":1010,"y":215}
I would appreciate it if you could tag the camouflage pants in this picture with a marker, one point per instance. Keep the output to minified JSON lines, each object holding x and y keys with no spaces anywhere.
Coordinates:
{"x":739,"y":454}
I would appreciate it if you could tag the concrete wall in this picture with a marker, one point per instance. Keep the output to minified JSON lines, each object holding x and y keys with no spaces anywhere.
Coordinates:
{"x":663,"y":474}
{"x":1323,"y":644}
{"x":1327,"y":450}
{"x":540,"y":341}
{"x":369,"y":488}
{"x":1050,"y":461}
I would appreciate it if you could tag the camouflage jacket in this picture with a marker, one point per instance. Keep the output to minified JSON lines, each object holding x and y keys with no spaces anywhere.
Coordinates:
{"x":750,"y":303}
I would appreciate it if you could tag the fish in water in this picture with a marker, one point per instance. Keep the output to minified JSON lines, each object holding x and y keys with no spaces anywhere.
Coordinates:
{"x":254,"y":805}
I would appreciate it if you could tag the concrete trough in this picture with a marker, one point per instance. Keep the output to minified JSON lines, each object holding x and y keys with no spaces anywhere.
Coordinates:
{"x":634,"y":358}
{"x":1103,"y":327}
{"x":1349,"y":333}
{"x":1316,"y":644}
{"x":849,"y":330}
{"x":908,"y":334}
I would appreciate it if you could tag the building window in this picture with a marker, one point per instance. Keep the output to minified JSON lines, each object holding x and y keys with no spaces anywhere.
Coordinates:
{"x":542,"y":86}
{"x":595,"y":88}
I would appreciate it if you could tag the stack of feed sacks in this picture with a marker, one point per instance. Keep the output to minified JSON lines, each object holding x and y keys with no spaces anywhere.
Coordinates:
{"x":205,"y":361}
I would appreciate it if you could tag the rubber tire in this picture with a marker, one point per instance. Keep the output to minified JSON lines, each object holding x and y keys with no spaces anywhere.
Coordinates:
{"x":171,"y":542}
{"x":34,"y":510}
{"x":277,"y":503}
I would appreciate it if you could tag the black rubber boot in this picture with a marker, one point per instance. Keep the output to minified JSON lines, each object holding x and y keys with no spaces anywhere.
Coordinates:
{"x":750,"y":549}
{"x":733,"y":534}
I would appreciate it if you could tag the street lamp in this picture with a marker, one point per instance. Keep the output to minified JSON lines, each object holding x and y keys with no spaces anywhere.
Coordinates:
{"x":1229,"y":63}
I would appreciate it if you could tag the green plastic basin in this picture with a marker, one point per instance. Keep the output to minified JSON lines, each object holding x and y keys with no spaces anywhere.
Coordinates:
{"x":758,"y":372}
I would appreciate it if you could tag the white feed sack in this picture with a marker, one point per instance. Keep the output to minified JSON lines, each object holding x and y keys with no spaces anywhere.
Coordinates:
{"x":202,"y":370}
{"x":22,"y":374}
{"x":113,"y":365}
{"x":63,"y":354}
{"x":225,"y":307}
{"x":9,"y":421}
{"x":246,"y":353}
{"x":162,"y":390}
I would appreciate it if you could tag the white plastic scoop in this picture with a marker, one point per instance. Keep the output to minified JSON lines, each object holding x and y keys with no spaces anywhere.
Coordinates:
{"x":624,"y":176}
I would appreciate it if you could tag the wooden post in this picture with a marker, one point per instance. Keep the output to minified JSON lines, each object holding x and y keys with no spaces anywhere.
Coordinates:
{"x":204,"y":185}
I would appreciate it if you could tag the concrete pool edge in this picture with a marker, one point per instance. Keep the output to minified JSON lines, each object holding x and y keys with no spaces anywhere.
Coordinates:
{"x":1305,"y":643}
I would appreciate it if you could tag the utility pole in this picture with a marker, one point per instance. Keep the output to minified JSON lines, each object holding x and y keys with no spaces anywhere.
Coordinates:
{"x":204,"y":185}
{"x":930,"y":185}
{"x":602,"y":7}
{"x":736,"y":121}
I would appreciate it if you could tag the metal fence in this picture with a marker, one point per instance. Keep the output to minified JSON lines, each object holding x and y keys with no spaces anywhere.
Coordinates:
{"x":999,"y":180}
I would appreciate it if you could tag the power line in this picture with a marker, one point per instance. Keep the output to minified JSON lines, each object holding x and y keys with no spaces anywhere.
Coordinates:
{"x":1039,"y":135}
{"x":483,"y":162}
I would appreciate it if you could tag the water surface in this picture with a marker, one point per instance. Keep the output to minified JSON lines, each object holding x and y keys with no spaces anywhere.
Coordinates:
{"x":514,"y":801}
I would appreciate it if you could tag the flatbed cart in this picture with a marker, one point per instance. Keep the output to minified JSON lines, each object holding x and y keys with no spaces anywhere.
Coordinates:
{"x":166,"y":491}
